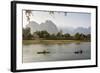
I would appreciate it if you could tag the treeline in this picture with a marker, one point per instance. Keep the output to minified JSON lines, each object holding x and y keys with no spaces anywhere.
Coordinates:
{"x":59,"y":36}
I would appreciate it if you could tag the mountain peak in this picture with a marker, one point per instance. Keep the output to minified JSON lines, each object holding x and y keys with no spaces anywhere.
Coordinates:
{"x":48,"y":26}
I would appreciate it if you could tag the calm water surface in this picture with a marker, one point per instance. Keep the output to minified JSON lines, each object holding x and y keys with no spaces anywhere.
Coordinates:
{"x":57,"y":52}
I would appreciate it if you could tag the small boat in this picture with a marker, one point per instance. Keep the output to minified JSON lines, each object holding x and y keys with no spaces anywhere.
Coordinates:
{"x":43,"y":52}
{"x":78,"y":52}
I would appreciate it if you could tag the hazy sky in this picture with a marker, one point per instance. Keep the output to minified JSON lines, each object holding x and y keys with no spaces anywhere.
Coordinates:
{"x":72,"y":19}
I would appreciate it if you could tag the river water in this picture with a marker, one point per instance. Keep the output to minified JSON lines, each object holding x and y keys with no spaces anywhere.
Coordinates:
{"x":57,"y":52}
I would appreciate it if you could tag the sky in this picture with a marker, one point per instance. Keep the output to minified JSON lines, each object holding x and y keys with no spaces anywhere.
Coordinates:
{"x":71,"y":19}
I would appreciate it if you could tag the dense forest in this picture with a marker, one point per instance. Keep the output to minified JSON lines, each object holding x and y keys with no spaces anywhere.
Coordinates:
{"x":44,"y":35}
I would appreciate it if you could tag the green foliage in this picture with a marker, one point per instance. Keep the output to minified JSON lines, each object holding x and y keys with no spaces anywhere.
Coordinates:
{"x":26,"y":34}
{"x":81,"y":36}
{"x":77,"y":36}
{"x":42,"y":34}
{"x":28,"y":13}
{"x":59,"y":36}
{"x":52,"y":36}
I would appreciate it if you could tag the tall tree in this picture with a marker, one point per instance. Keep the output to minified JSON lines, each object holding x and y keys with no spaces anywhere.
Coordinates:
{"x":77,"y":36}
{"x":26,"y":34}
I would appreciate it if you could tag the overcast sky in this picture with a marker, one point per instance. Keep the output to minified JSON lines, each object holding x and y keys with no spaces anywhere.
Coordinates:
{"x":72,"y":19}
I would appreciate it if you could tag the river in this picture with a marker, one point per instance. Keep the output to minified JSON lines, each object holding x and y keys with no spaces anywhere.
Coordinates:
{"x":56,"y":52}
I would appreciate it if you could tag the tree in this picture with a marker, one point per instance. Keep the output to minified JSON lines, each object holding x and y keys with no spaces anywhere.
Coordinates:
{"x":81,"y":36}
{"x":88,"y":36}
{"x":77,"y":36}
{"x":28,"y":14}
{"x":59,"y":34}
{"x":53,"y":12}
{"x":53,"y":37}
{"x":26,"y":34}
{"x":42,"y":34}
{"x":67,"y":36}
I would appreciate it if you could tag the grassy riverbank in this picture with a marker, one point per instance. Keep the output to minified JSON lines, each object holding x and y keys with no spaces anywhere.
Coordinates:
{"x":52,"y":41}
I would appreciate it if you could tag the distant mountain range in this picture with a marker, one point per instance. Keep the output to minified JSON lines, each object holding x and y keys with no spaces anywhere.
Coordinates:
{"x":50,"y":27}
{"x":77,"y":30}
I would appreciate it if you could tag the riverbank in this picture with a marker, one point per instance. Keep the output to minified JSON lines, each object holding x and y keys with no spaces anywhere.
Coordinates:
{"x":52,"y":41}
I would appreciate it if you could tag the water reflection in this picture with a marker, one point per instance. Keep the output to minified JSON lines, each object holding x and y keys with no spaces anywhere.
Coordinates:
{"x":56,"y":52}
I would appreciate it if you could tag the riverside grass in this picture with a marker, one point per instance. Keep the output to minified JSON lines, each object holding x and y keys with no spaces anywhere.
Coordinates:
{"x":52,"y":41}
